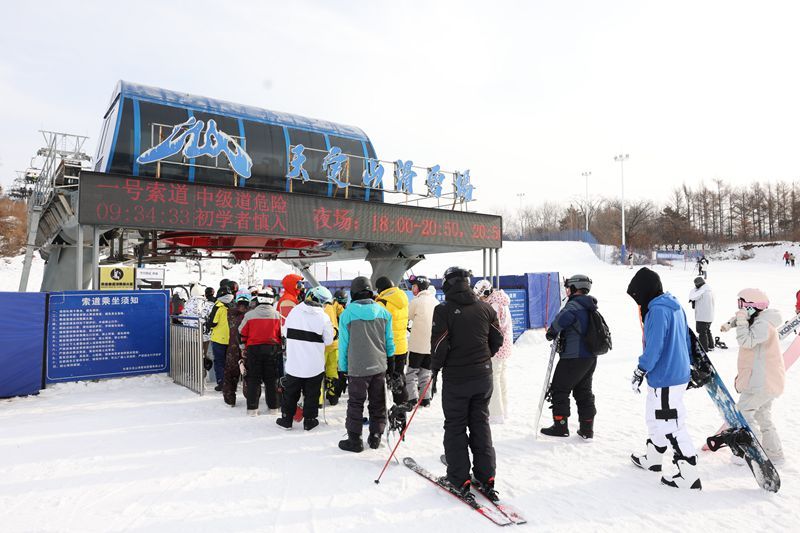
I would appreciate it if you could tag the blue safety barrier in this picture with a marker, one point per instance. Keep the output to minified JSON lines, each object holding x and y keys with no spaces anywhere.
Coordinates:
{"x":22,"y":341}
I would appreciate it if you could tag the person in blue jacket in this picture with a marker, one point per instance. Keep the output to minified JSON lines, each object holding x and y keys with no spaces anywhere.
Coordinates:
{"x":665,"y":364}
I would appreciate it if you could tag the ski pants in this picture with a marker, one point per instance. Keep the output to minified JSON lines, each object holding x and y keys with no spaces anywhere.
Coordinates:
{"x":362,"y":389}
{"x":418,"y":375}
{"x":262,"y":367}
{"x":219,"y":350}
{"x":331,"y":374}
{"x":574,"y":376}
{"x":756,"y":406}
{"x":293,"y":386}
{"x":665,"y":415}
{"x":231,"y":375}
{"x":466,"y":427}
{"x":498,"y":405}
{"x":704,"y":335}
{"x":400,"y":395}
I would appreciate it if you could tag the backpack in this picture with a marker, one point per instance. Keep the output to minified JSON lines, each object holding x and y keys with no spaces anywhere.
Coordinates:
{"x":598,"y":336}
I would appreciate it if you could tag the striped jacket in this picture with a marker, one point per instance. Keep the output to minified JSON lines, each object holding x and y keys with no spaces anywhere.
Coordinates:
{"x":308,"y":329}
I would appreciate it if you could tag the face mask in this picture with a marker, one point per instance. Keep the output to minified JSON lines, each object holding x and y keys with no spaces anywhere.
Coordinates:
{"x":751,"y":311}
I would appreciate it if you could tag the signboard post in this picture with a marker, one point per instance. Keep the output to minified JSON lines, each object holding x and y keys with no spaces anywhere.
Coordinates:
{"x":93,"y":336}
{"x":149,"y":278}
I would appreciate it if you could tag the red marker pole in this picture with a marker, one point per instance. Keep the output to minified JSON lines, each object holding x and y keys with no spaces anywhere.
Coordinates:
{"x":547,"y":303}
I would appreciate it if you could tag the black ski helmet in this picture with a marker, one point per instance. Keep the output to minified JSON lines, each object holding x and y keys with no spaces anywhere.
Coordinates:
{"x":340,"y":296}
{"x":359,"y":285}
{"x":455,"y":272}
{"x":422,"y":282}
{"x":699,"y":282}
{"x":577,"y":282}
{"x":383,"y":283}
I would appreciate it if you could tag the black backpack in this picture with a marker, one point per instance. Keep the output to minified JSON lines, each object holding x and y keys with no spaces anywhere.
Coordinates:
{"x":597,"y":336}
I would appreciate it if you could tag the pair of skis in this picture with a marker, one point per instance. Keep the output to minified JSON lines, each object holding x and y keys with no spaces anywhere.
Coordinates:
{"x":499,"y":513}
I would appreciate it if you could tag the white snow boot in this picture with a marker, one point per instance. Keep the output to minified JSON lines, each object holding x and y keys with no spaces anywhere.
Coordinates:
{"x":652,"y":459}
{"x":687,"y":477}
{"x":252,"y":412}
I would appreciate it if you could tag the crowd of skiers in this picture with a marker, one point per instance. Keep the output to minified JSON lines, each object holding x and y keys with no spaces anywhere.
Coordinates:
{"x":373,"y":343}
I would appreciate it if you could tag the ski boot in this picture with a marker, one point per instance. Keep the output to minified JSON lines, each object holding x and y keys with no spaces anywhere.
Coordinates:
{"x":652,"y":459}
{"x":252,"y":412}
{"x":352,"y":443}
{"x":687,"y":477}
{"x":374,"y":440}
{"x":559,"y":427}
{"x":487,"y":489}
{"x":426,"y":402}
{"x":397,"y":419}
{"x":310,"y":423}
{"x":285,"y":422}
{"x":586,"y":430}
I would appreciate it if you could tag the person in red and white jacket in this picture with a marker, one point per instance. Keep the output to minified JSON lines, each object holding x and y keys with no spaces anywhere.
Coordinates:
{"x":260,"y":333}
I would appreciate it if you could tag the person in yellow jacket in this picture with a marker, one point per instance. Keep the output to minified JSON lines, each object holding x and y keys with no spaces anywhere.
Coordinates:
{"x":220,"y":332}
{"x":331,"y":357}
{"x":395,"y":301}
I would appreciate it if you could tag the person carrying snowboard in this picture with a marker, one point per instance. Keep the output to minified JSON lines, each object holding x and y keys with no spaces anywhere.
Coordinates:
{"x":761,"y":374}
{"x":366,"y":344}
{"x":499,"y":300}
{"x":465,"y":335}
{"x":308,"y":329}
{"x":665,"y":364}
{"x":576,"y":363}
{"x":702,"y":300}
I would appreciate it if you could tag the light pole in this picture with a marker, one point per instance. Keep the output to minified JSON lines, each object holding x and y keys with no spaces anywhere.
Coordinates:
{"x":621,"y":158}
{"x":521,"y":195}
{"x":586,"y":206}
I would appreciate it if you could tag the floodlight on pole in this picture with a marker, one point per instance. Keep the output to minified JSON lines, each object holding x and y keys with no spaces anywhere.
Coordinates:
{"x":621,"y":158}
{"x":586,"y":206}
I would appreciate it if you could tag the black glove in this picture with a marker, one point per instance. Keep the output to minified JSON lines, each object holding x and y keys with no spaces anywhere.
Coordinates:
{"x":550,"y":334}
{"x":389,"y":366}
{"x":434,"y":380}
{"x":636,"y":380}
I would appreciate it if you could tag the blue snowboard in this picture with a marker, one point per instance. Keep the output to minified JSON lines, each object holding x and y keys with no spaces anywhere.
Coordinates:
{"x":738,"y":437}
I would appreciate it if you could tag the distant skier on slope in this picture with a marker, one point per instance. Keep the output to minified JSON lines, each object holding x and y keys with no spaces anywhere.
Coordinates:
{"x":665,"y":363}
{"x":761,"y":374}
{"x":702,"y":271}
{"x":576,"y":363}
{"x":702,"y":300}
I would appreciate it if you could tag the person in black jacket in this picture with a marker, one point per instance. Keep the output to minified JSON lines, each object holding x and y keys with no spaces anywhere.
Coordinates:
{"x":464,"y":336}
{"x":576,"y":363}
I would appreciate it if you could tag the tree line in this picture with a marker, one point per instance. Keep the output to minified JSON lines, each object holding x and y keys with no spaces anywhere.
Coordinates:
{"x":708,"y":215}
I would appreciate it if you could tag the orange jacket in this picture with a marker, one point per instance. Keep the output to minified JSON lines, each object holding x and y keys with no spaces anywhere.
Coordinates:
{"x":288,"y":299}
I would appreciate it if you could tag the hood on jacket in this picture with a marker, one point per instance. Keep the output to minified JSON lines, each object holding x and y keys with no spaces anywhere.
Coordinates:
{"x":644,"y":287}
{"x":498,"y":297}
{"x":773,"y":316}
{"x":694,"y":294}
{"x":394,"y":296}
{"x":458,"y":290}
{"x":226,"y":299}
{"x":584,"y":300}
{"x":289,"y":283}
{"x":430,"y":291}
{"x":665,"y":300}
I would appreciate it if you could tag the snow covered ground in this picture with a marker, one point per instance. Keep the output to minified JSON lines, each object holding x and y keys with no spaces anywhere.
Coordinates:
{"x":142,"y":454}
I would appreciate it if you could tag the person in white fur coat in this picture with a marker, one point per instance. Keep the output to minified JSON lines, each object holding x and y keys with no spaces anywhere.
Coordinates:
{"x":499,"y":301}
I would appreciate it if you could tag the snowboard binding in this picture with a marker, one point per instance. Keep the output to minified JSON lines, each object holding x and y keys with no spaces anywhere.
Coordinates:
{"x":734,"y":438}
{"x":720,"y":344}
{"x":397,"y":419}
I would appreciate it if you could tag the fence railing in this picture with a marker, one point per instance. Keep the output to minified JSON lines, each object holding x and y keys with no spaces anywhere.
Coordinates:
{"x":186,"y":353}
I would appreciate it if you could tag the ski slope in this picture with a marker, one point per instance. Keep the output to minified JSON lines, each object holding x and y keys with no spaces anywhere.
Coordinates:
{"x":143,"y":454}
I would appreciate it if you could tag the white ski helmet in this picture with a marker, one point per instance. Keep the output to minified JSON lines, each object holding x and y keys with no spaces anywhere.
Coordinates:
{"x":755,"y":298}
{"x":483,"y":288}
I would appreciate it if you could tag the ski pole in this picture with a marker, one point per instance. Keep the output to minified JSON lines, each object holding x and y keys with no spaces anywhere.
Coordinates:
{"x":403,"y":434}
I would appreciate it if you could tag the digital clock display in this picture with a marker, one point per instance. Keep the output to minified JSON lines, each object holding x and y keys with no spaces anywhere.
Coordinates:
{"x":141,"y":203}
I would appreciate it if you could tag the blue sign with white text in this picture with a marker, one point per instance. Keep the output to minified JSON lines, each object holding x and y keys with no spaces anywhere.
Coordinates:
{"x":94,"y":335}
{"x":519,"y":310}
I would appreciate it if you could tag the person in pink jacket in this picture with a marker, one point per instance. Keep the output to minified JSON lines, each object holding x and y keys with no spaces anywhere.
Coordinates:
{"x":499,"y":301}
{"x":761,"y":373}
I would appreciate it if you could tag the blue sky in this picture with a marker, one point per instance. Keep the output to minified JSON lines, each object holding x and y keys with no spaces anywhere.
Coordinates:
{"x":525,"y":94}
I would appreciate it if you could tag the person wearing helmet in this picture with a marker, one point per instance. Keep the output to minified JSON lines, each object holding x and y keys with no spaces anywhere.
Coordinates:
{"x":217,"y":323}
{"x":665,"y":364}
{"x":761,"y":373}
{"x":292,"y":286}
{"x":261,"y":336}
{"x":465,"y":335}
{"x":395,"y":301}
{"x":499,"y":301}
{"x":366,"y":344}
{"x":234,"y":354}
{"x":340,"y":297}
{"x":576,"y":363}
{"x":307,"y":330}
{"x":420,"y":318}
{"x":702,"y":300}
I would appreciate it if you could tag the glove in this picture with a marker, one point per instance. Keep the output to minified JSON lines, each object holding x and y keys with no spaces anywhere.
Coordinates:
{"x":741,"y":318}
{"x":636,"y":380}
{"x":550,"y":334}
{"x":434,"y":380}
{"x":242,"y":368}
{"x":390,"y":366}
{"x":725,"y":327}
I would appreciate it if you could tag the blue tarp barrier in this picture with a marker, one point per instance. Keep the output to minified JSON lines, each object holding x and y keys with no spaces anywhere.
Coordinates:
{"x":544,"y":298}
{"x":95,"y":335}
{"x":22,"y":343}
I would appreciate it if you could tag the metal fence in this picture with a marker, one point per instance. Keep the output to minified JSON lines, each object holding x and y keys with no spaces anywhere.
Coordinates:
{"x":186,"y":353}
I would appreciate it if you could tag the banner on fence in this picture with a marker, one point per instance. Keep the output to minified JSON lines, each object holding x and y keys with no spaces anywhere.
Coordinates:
{"x":93,"y":335}
{"x":22,"y":343}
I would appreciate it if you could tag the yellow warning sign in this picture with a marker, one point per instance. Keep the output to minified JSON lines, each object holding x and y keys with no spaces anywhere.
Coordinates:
{"x":116,"y":278}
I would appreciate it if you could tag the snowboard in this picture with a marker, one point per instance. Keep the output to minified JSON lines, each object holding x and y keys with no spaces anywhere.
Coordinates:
{"x":788,"y":327}
{"x":738,"y":437}
{"x":545,"y":388}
